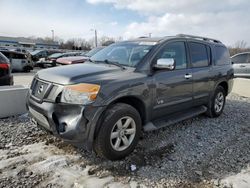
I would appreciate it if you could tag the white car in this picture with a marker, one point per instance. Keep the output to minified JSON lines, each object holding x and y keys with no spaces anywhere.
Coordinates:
{"x":241,"y":64}
{"x":19,"y":61}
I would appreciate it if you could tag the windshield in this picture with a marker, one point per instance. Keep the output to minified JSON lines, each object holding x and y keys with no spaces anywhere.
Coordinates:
{"x":125,"y":53}
{"x":56,"y":55}
{"x":35,"y":52}
{"x":92,"y":52}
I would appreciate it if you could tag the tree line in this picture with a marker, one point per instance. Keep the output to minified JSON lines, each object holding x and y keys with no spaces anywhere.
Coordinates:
{"x":85,"y":45}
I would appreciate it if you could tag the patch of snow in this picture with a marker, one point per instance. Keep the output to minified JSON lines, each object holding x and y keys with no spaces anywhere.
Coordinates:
{"x":240,"y":180}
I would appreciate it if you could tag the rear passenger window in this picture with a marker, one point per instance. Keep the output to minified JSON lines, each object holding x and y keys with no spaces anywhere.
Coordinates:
{"x":199,"y":54}
{"x":222,"y":56}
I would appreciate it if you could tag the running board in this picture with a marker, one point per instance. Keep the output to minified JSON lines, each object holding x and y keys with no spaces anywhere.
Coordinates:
{"x":174,"y":118}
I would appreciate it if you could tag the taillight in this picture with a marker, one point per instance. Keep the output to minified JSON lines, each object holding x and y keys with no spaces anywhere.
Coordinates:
{"x":4,"y":66}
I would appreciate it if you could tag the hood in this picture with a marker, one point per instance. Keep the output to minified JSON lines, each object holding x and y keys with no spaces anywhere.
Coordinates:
{"x":69,"y":60}
{"x":79,"y":73}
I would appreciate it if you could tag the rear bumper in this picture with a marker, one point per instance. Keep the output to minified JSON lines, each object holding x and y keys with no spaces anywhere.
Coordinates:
{"x":6,"y":80}
{"x":73,"y":123}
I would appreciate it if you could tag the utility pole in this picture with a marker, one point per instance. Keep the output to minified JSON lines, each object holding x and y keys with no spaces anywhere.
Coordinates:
{"x":95,"y":36}
{"x":149,"y":35}
{"x":53,"y":36}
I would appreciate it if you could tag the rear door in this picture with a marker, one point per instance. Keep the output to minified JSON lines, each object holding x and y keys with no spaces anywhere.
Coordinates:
{"x":173,"y":90}
{"x":18,"y":61}
{"x":200,"y":58}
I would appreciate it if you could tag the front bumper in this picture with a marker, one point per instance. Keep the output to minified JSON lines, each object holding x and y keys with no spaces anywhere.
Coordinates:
{"x":73,"y":123}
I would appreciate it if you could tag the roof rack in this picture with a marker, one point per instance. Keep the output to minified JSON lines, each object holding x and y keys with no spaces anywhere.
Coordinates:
{"x":199,"y":37}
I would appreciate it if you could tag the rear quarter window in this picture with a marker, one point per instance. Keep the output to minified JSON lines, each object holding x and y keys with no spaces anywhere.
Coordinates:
{"x":7,"y":54}
{"x":222,"y":56}
{"x":3,"y":59}
{"x":18,"y":56}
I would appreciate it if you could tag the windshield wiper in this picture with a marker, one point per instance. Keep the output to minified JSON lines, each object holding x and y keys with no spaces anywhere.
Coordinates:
{"x":113,"y":63}
{"x":90,"y":60}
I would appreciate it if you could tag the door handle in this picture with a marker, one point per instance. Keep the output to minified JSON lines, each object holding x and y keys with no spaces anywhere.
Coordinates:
{"x":242,"y":65}
{"x":187,"y":76}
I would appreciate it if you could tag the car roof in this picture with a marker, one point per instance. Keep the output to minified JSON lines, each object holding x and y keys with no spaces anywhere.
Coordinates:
{"x":13,"y":52}
{"x":179,"y":36}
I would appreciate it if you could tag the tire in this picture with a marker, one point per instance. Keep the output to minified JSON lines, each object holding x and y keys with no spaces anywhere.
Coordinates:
{"x":217,"y":102}
{"x":26,"y":69}
{"x":109,"y":147}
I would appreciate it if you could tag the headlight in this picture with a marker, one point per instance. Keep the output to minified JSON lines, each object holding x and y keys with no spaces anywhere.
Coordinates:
{"x":80,"y":93}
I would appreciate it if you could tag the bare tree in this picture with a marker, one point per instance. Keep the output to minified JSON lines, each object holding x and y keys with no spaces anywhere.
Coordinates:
{"x":238,"y":47}
{"x":105,"y":41}
{"x":240,"y":44}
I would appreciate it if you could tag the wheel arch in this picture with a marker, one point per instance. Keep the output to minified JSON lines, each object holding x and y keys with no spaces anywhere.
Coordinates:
{"x":223,"y":84}
{"x":133,"y":101}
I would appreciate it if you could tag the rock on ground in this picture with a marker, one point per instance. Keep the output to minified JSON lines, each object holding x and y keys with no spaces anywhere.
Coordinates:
{"x":199,"y":152}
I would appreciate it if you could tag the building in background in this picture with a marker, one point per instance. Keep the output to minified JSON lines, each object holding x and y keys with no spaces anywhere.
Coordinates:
{"x":27,"y":43}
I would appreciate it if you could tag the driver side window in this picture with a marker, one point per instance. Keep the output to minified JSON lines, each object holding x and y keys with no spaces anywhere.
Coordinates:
{"x":177,"y":51}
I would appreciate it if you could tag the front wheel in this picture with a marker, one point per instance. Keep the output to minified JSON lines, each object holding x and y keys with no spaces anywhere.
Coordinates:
{"x":119,"y":132}
{"x":217,"y":102}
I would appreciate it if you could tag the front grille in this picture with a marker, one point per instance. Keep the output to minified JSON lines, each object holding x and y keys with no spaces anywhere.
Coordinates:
{"x":39,"y":88}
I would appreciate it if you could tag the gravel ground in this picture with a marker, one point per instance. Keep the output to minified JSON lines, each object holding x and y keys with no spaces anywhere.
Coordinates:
{"x":199,"y":152}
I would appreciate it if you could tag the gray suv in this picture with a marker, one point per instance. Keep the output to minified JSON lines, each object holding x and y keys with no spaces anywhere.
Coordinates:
{"x":131,"y":86}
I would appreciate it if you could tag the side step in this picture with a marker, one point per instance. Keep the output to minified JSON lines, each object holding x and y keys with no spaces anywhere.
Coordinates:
{"x":174,"y":118}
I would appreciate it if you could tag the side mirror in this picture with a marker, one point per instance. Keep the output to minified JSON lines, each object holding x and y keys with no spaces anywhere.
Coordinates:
{"x":165,"y":63}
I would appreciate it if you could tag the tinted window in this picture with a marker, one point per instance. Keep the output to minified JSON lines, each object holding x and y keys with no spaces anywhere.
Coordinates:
{"x":7,"y":54}
{"x":177,"y":51}
{"x":222,"y":55}
{"x":199,"y":54}
{"x":241,"y":58}
{"x":18,"y":56}
{"x":3,"y":59}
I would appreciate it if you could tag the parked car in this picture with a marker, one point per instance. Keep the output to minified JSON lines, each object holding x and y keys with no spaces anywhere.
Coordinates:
{"x":241,"y":64}
{"x":52,"y":59}
{"x":6,"y":77}
{"x":19,"y":61}
{"x":78,"y":59}
{"x":38,"y":54}
{"x":142,"y":84}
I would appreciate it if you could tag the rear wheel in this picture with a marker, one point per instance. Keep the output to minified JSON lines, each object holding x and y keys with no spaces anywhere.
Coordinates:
{"x":217,"y":102}
{"x":119,"y":132}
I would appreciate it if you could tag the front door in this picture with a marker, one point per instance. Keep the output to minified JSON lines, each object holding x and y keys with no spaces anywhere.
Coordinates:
{"x":173,"y":90}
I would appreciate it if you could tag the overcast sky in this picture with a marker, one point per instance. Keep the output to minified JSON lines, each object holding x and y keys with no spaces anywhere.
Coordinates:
{"x":226,"y":20}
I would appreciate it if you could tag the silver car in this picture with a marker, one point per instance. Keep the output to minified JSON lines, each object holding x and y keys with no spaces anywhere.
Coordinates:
{"x":19,"y":61}
{"x":241,"y":64}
